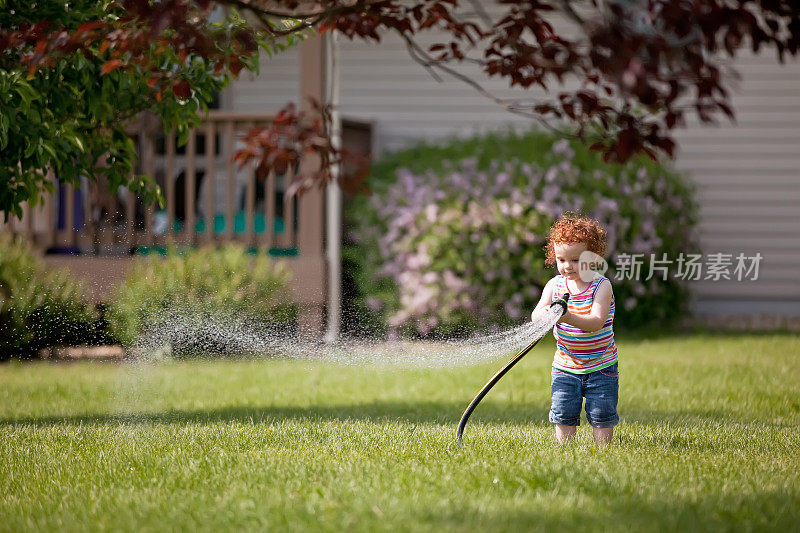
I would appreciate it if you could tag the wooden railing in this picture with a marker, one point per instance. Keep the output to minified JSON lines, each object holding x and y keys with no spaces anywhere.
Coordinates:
{"x":209,"y":199}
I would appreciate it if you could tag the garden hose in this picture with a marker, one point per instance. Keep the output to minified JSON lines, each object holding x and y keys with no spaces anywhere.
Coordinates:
{"x":500,"y":373}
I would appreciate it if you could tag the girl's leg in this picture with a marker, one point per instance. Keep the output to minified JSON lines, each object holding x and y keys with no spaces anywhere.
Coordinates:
{"x":602,"y":393}
{"x":565,"y":433}
{"x":603,"y":435}
{"x":565,"y":406}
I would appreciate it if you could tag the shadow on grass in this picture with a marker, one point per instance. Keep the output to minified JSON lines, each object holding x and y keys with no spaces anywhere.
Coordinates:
{"x":416,"y":412}
{"x":378,"y":411}
{"x":767,"y":510}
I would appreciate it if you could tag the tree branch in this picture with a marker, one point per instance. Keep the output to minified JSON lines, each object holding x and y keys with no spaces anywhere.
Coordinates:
{"x":249,"y":6}
{"x":420,"y":56}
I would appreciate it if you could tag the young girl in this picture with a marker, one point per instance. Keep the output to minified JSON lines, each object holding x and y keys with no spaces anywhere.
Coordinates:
{"x":585,"y":362}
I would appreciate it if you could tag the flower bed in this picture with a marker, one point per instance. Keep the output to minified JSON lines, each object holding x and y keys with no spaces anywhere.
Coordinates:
{"x":452,"y":239}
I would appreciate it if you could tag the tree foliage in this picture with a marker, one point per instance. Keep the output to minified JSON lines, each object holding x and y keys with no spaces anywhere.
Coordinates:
{"x":641,"y":67}
{"x":74,"y":74}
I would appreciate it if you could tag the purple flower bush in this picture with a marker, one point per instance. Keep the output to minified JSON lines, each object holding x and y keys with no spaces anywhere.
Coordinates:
{"x":458,"y":247}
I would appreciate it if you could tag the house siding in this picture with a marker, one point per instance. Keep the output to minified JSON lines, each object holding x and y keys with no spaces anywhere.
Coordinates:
{"x":748,"y":182}
{"x":277,"y":83}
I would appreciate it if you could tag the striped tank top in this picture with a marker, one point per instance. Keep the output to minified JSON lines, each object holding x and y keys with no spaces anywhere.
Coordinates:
{"x":578,"y":351}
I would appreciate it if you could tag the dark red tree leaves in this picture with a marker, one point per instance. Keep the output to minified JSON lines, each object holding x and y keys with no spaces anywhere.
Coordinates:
{"x":182,"y":89}
{"x":110,"y":65}
{"x":136,"y":38}
{"x":290,"y":137}
{"x":641,"y":65}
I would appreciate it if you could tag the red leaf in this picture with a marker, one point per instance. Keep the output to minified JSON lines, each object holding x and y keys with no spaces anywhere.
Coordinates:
{"x":41,"y":27}
{"x":110,"y":65}
{"x":668,"y":145}
{"x":182,"y":89}
{"x":89,"y":26}
{"x":286,"y":115}
{"x":151,"y":81}
{"x":236,"y":67}
{"x":596,"y":147}
{"x":671,"y":118}
{"x":281,"y":162}
{"x":625,"y":145}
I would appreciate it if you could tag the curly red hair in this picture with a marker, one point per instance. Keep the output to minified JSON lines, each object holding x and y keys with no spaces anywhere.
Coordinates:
{"x":572,"y":229}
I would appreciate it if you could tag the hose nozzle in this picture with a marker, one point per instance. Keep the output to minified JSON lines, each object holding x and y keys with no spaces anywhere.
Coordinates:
{"x":562,"y":301}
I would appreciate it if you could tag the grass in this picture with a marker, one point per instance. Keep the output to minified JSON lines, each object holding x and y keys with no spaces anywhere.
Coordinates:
{"x":708,"y":441}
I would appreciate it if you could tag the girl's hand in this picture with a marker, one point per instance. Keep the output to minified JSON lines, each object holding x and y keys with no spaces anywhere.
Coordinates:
{"x":564,"y":317}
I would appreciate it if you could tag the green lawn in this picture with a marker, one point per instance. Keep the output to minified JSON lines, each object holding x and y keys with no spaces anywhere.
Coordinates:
{"x":709,"y":440}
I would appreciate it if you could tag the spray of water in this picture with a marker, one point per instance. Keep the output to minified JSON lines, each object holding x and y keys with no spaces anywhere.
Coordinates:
{"x":181,"y":333}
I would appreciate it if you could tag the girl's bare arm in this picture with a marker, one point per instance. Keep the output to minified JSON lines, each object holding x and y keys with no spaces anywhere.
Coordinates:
{"x":544,"y":301}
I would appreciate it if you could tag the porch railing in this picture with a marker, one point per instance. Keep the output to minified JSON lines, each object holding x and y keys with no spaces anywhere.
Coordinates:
{"x":208,"y":199}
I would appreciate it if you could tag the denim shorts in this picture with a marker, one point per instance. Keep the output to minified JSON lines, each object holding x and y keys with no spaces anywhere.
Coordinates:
{"x":601,"y":390}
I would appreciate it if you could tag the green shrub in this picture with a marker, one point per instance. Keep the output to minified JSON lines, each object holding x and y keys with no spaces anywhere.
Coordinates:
{"x":194,"y":291}
{"x":40,"y":307}
{"x":452,"y":239}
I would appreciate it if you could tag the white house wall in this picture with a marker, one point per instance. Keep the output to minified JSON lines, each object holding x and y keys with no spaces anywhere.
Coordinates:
{"x":748,"y":179}
{"x":277,"y":83}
